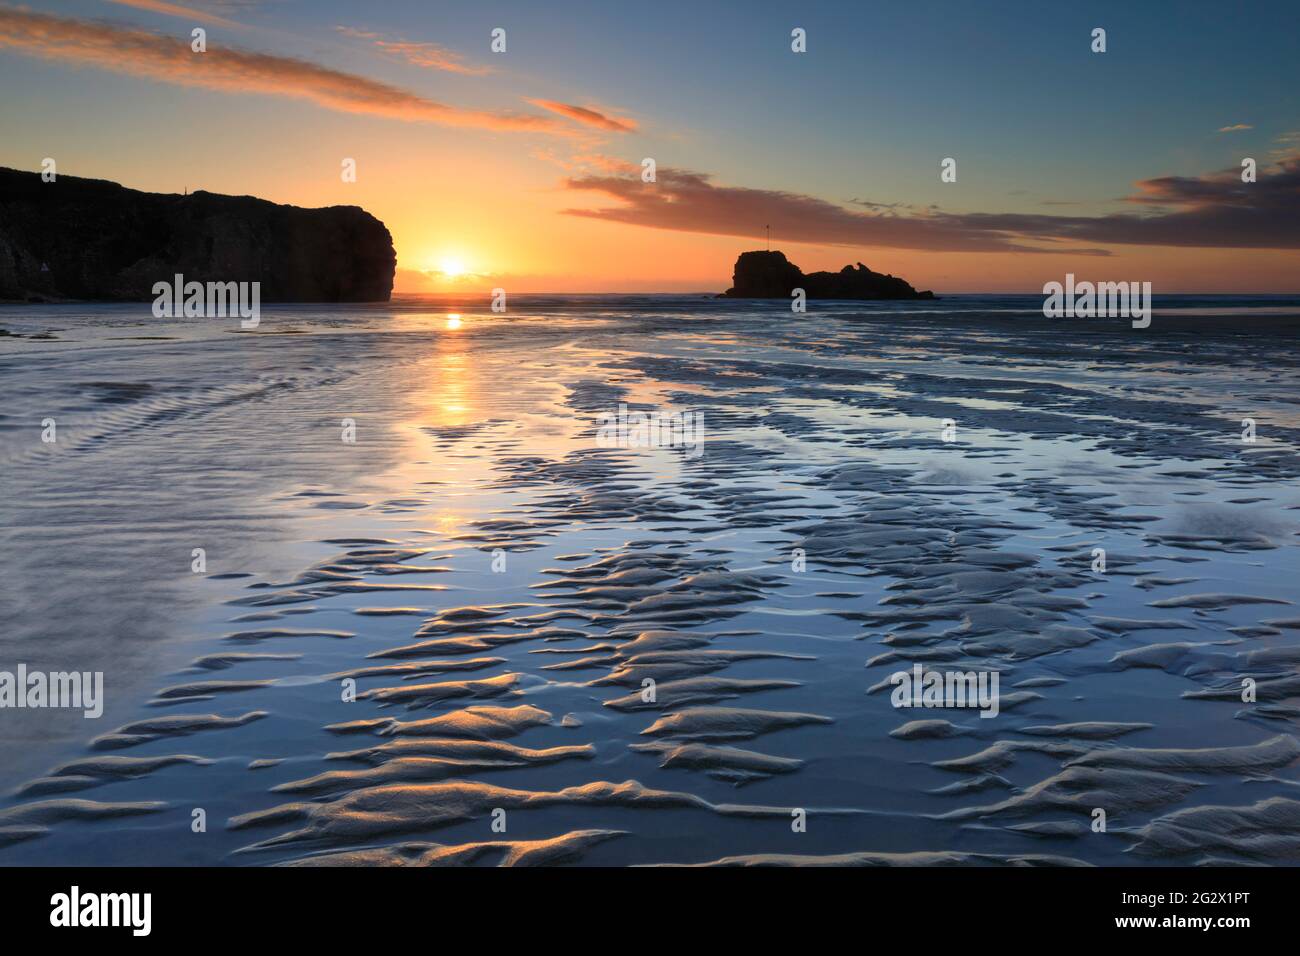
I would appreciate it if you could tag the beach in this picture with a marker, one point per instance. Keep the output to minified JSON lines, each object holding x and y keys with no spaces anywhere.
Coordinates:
{"x":367,"y":586}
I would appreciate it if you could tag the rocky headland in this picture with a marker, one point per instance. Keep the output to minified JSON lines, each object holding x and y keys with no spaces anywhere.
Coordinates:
{"x":91,"y":239}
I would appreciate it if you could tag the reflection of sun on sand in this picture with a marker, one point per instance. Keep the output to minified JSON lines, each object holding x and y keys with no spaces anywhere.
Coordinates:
{"x":462,"y":391}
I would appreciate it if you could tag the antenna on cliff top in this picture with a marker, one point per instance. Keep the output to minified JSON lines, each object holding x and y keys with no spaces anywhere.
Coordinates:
{"x":768,"y":230}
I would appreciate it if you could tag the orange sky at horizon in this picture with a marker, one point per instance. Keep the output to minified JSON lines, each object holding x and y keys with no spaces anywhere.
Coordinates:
{"x":520,"y":238}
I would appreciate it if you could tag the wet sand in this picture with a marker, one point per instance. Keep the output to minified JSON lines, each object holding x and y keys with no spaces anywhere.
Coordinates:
{"x":514,"y":695}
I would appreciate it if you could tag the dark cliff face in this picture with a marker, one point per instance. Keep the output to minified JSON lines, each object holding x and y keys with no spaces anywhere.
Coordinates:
{"x":92,"y":239}
{"x":769,"y":275}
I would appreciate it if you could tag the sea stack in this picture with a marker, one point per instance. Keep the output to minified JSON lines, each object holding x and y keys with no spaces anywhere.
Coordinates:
{"x":770,"y":275}
{"x":75,"y":238}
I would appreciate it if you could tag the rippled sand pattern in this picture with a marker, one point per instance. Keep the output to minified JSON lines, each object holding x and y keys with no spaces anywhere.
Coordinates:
{"x":499,"y":590}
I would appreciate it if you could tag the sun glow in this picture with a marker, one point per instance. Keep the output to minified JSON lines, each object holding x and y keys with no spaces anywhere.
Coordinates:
{"x":452,"y":266}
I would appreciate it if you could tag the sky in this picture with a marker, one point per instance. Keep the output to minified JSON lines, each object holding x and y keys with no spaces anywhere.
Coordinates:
{"x":523,"y":169}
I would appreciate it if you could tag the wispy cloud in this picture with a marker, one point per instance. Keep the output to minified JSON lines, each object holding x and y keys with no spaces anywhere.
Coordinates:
{"x":1235,"y":129}
{"x":1287,"y":144}
{"x":606,"y":164}
{"x":1217,"y":210}
{"x":686,"y":201}
{"x":168,"y":60}
{"x":176,"y":10}
{"x":885,"y":208}
{"x":588,"y":116}
{"x":580,"y":163}
{"x":428,"y":55}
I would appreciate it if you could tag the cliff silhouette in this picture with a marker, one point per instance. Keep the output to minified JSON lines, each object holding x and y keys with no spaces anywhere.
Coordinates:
{"x":770,"y":275}
{"x":77,"y":238}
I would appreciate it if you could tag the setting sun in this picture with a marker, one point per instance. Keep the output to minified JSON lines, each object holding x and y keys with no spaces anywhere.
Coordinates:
{"x":451,"y":266}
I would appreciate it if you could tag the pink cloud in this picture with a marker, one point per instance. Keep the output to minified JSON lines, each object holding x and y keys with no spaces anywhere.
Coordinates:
{"x":1216,"y":210}
{"x":176,"y":10}
{"x":428,"y":55}
{"x":587,"y":116}
{"x":169,"y":60}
